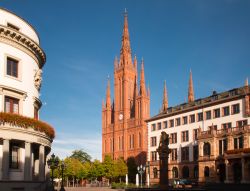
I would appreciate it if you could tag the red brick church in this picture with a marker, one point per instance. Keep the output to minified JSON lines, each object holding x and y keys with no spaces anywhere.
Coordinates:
{"x":124,"y":130}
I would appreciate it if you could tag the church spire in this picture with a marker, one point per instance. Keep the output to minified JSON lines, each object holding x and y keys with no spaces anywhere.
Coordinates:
{"x":125,"y":53}
{"x":142,"y":81}
{"x":108,"y":96}
{"x":165,"y":97}
{"x":190,"y":88}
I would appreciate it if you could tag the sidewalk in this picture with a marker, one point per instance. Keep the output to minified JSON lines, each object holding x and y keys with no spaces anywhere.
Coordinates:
{"x":90,"y":189}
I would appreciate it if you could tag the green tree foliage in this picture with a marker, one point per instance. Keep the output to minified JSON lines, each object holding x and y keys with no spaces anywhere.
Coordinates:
{"x":81,"y":155}
{"x":120,"y":169}
{"x":74,"y":169}
{"x":108,"y":166}
{"x":96,"y":170}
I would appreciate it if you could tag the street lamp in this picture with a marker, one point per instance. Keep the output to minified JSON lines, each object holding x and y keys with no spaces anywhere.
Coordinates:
{"x":141,"y":170}
{"x":62,"y":166}
{"x":53,"y":164}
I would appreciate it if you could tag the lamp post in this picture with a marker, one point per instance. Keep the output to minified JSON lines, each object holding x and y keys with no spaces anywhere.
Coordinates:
{"x":53,"y":164}
{"x":62,"y":166}
{"x":141,"y":170}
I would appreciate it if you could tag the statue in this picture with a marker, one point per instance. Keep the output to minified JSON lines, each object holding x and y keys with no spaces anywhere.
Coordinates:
{"x":164,"y":151}
{"x":38,"y":79}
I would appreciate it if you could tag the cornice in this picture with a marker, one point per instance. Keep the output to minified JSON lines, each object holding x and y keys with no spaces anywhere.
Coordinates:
{"x":24,"y":43}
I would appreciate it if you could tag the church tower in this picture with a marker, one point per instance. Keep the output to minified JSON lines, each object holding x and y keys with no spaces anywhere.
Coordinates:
{"x":124,"y":130}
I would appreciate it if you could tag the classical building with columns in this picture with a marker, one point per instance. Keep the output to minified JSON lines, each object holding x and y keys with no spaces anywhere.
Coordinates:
{"x":124,"y":130}
{"x":25,"y":141}
{"x":209,"y":137}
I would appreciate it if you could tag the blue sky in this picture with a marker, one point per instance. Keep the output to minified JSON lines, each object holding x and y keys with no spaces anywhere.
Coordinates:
{"x":82,"y":38}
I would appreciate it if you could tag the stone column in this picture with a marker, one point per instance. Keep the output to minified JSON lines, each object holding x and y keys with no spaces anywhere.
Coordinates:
{"x":5,"y":160}
{"x":41,"y":163}
{"x":243,"y":180}
{"x":227,"y":168}
{"x":27,"y":164}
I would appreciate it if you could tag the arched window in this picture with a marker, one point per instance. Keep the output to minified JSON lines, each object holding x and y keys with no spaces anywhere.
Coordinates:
{"x":185,"y":172}
{"x":206,"y":171}
{"x":175,"y":172}
{"x":196,"y":171}
{"x":206,"y":149}
{"x":155,"y":171}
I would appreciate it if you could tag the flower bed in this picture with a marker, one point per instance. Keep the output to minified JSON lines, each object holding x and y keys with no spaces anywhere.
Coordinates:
{"x":27,"y":122}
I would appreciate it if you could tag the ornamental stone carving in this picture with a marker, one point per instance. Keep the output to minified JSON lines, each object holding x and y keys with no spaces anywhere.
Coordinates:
{"x":38,"y":79}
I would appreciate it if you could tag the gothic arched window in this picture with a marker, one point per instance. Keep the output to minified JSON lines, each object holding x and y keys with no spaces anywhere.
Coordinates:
{"x":175,"y":172}
{"x":185,"y":172}
{"x":206,"y":171}
{"x":155,"y":171}
{"x":206,"y":149}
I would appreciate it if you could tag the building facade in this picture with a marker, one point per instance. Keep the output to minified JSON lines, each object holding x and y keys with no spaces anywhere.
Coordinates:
{"x":25,"y":141}
{"x":209,"y":137}
{"x":124,"y":130}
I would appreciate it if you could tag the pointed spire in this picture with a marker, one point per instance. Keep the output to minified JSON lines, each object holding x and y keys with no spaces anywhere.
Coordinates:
{"x":165,"y":97}
{"x":148,"y":91}
{"x":135,"y":63}
{"x":116,"y":63}
{"x":125,"y":53}
{"x":142,"y":81}
{"x":108,"y":96}
{"x":246,"y":82}
{"x":190,"y":88}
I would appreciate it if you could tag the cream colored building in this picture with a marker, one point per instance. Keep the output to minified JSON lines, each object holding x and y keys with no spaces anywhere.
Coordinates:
{"x":209,"y":137}
{"x":25,"y":141}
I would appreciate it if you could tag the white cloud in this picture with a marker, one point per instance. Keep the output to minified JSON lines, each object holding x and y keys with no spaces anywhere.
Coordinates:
{"x":65,"y":143}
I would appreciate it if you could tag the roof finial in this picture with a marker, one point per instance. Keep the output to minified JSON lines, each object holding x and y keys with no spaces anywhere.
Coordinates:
{"x":165,"y":97}
{"x":190,"y":88}
{"x":246,"y":82}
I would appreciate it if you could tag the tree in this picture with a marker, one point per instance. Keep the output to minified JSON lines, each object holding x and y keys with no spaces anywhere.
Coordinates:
{"x":120,"y":168}
{"x":81,"y":155}
{"x":97,"y":170}
{"x":108,"y":166}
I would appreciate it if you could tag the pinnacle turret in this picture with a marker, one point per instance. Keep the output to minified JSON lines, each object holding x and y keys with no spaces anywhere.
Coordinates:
{"x":165,"y":98}
{"x":190,"y":88}
{"x":142,"y":80}
{"x":108,"y":95}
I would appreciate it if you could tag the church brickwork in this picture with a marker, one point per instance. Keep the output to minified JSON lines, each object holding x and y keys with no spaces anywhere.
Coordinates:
{"x":124,"y":130}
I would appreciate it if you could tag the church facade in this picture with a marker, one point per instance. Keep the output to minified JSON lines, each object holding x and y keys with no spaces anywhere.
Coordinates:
{"x":124,"y":130}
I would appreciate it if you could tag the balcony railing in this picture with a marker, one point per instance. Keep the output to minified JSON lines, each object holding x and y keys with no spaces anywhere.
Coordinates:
{"x":220,"y":132}
{"x":206,"y":158}
{"x":16,"y":120}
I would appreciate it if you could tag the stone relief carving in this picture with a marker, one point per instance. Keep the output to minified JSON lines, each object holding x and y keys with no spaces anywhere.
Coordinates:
{"x":38,"y":79}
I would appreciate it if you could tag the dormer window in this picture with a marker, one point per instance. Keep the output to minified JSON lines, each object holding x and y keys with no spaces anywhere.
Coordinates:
{"x":233,"y":92}
{"x":13,"y":26}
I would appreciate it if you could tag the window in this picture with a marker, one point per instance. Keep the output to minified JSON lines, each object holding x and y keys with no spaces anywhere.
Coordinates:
{"x":192,"y":118}
{"x":178,"y":121}
{"x":185,"y":153}
{"x":200,"y":116}
{"x":12,"y":67}
{"x":173,"y":138}
{"x":241,"y":123}
{"x":196,"y":171}
{"x":153,"y":127}
{"x":35,"y":112}
{"x":14,"y":156}
{"x":11,"y":105}
{"x":155,"y":171}
{"x":226,"y":111}
{"x":235,"y":108}
{"x":195,"y":134}
{"x":165,"y":124}
{"x":159,"y":126}
{"x":206,"y":171}
{"x":171,"y":123}
{"x":208,"y":115}
{"x":174,"y":172}
{"x":185,"y":121}
{"x":139,"y":140}
{"x":131,"y":138}
{"x":184,"y":136}
{"x":217,"y":113}
{"x":153,"y":155}
{"x":195,"y":152}
{"x":222,"y":146}
{"x":226,"y":125}
{"x":153,"y":141}
{"x":185,"y":172}
{"x":12,"y":26}
{"x":206,"y":149}
{"x":174,"y":154}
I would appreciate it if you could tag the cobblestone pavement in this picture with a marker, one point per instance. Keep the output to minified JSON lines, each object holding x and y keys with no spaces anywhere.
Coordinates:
{"x":90,"y":189}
